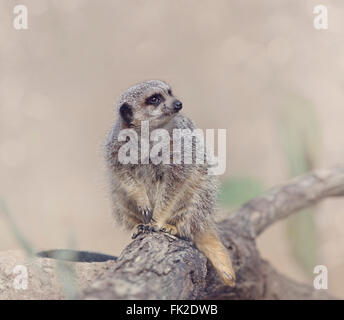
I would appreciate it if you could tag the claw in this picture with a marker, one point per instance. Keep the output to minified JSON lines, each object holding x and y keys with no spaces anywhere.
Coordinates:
{"x":140,"y":229}
{"x":134,"y":235}
{"x":143,"y":228}
{"x":147,"y":215}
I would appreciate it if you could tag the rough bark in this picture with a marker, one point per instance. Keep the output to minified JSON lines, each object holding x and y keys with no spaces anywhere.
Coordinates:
{"x":159,"y":266}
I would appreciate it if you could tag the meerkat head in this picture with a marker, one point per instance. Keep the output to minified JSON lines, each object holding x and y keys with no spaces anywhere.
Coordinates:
{"x":150,"y":100}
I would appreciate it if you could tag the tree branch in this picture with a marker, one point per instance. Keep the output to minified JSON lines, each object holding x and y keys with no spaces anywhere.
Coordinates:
{"x":159,"y":266}
{"x":191,"y":277}
{"x":278,"y":203}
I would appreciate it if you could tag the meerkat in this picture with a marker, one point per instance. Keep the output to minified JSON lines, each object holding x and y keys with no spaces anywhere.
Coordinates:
{"x":179,"y":199}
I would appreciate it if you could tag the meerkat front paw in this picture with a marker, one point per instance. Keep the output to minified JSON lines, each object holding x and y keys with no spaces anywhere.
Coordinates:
{"x":143,"y":228}
{"x":169,"y":228}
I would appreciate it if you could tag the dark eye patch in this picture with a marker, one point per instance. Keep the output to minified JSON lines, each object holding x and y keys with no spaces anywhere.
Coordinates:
{"x":126,"y":112}
{"x":155,"y":99}
{"x":169,"y":91}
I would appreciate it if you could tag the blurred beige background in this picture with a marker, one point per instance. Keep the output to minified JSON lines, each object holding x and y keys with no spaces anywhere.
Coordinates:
{"x":234,"y":64}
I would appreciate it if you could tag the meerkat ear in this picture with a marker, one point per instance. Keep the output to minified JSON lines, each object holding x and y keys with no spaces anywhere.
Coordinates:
{"x":126,"y":112}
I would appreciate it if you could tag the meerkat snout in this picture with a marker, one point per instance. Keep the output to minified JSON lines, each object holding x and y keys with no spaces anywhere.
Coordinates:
{"x":177,"y":105}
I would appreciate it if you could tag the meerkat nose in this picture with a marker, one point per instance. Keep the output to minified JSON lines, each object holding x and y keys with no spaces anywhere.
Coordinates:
{"x":177,"y":105}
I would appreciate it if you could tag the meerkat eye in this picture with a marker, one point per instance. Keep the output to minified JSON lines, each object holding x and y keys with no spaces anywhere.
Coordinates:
{"x":155,"y":99}
{"x":169,"y":92}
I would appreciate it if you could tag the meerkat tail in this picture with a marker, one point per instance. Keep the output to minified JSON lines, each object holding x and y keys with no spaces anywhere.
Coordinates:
{"x":209,"y":243}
